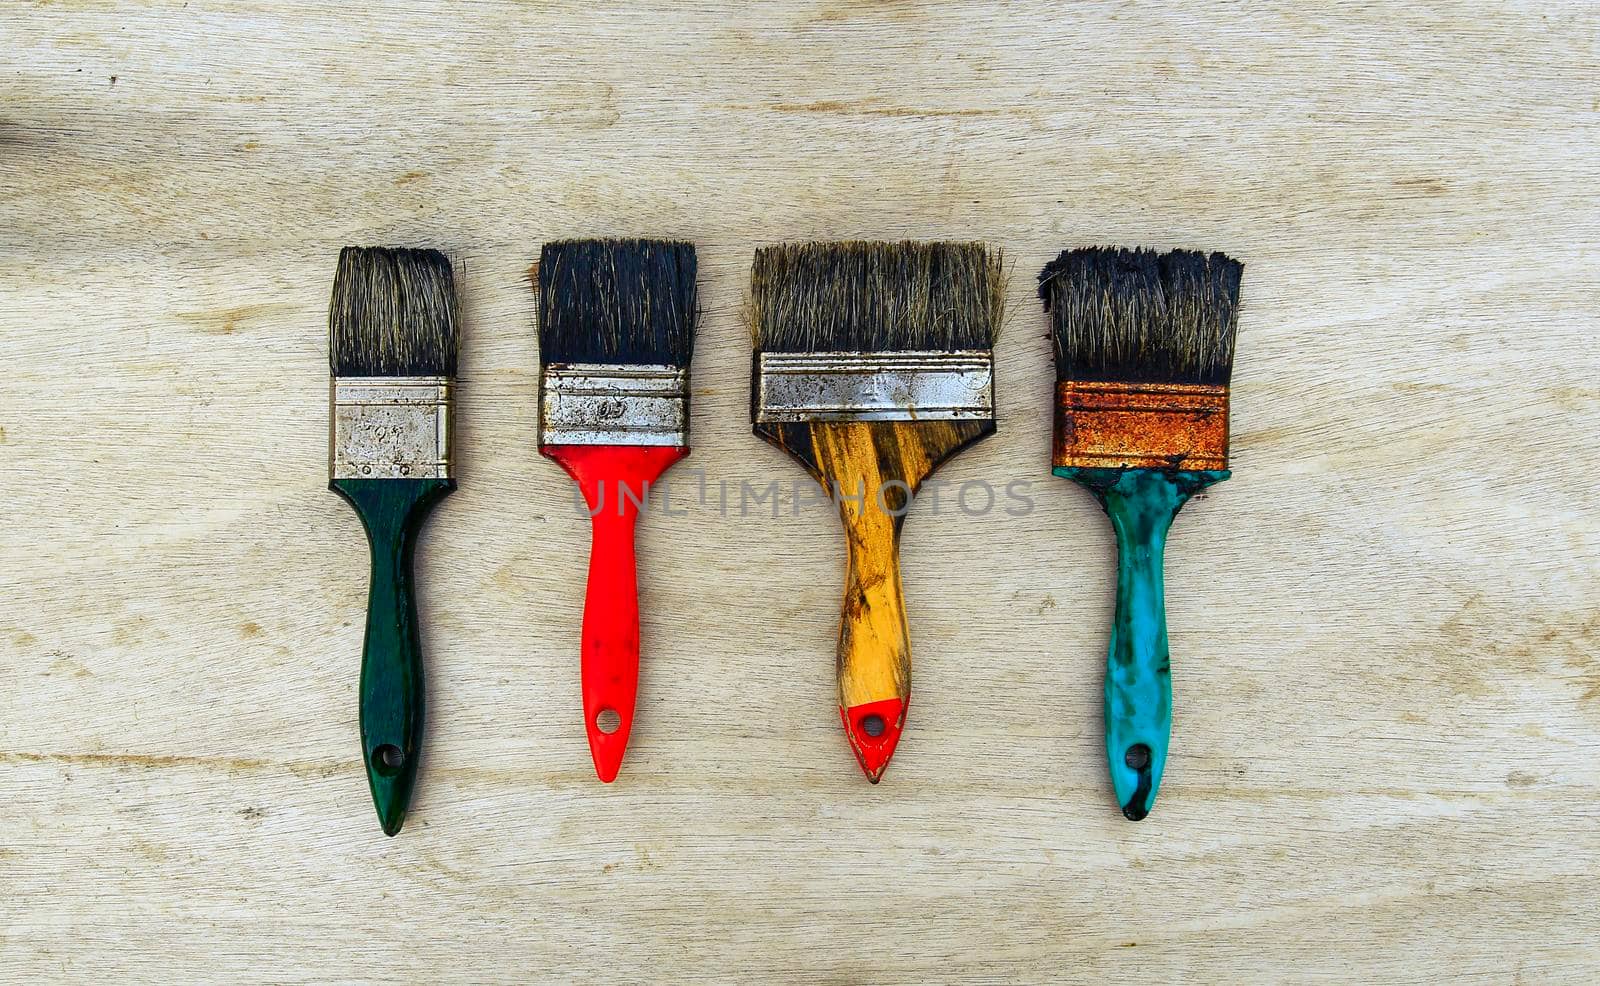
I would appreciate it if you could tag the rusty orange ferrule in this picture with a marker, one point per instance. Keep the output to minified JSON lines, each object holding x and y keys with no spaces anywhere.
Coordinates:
{"x":1121,"y":425}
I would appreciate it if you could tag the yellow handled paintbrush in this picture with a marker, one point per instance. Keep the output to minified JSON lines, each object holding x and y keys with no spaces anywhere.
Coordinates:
{"x":874,"y":364}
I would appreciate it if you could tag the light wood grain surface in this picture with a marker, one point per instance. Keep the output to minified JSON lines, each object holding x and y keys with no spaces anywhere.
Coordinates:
{"x":1385,"y":630}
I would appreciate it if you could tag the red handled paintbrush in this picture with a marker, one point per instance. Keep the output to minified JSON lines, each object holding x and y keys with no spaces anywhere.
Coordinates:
{"x":616,"y":331}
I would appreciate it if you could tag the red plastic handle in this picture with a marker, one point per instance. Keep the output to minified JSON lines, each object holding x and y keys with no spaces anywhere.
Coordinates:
{"x":614,"y":480}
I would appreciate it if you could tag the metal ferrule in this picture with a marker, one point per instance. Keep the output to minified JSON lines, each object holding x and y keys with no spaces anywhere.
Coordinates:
{"x":390,"y":428}
{"x":896,"y":386}
{"x":1123,"y":425}
{"x":613,"y":404}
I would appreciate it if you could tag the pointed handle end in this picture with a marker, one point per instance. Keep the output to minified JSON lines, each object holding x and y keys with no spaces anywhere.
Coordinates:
{"x":608,"y":740}
{"x":1135,"y":779}
{"x":874,"y":730}
{"x":391,"y":774}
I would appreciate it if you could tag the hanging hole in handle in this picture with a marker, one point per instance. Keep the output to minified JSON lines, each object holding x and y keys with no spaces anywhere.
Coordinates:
{"x":388,"y":758}
{"x":873,"y":725}
{"x":608,"y":721}
{"x":1137,"y":757}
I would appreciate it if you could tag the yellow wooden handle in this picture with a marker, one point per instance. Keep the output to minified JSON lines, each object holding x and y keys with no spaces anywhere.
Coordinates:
{"x":867,"y":468}
{"x":873,"y":468}
{"x":874,"y":644}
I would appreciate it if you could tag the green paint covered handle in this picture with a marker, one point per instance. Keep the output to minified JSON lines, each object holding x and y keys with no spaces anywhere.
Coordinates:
{"x":392,"y":511}
{"x":1138,"y":709}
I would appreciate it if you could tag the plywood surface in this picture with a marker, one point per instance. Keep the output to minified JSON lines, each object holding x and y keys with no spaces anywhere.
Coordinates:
{"x":1385,"y":630}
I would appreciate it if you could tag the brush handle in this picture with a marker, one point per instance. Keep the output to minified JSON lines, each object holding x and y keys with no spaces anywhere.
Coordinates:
{"x":392,"y":692}
{"x":615,"y":481}
{"x":874,"y":652}
{"x":872,"y":469}
{"x":1138,"y":691}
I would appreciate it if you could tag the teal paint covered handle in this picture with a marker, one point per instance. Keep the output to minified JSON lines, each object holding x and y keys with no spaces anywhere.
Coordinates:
{"x":1138,"y":693}
{"x":392,"y":693}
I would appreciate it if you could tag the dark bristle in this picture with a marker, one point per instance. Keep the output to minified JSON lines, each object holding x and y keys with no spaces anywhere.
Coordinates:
{"x":876,"y":297}
{"x":393,"y":314}
{"x":1139,"y":315}
{"x":617,"y":301}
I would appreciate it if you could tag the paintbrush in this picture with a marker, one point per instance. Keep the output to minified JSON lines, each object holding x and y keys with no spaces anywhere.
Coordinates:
{"x":616,"y":332}
{"x":1144,"y":351}
{"x":874,"y":363}
{"x":392,"y":348}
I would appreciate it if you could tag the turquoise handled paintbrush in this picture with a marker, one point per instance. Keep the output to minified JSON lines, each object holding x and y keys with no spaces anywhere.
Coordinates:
{"x":392,"y":347}
{"x":1144,"y":352}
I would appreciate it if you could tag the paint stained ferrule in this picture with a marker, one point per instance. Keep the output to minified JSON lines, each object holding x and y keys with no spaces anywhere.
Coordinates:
{"x":613,"y":404}
{"x":1129,"y":425}
{"x":390,"y":428}
{"x":886,"y":386}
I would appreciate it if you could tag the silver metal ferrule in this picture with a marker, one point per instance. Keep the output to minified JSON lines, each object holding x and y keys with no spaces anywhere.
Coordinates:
{"x":390,"y":428}
{"x":890,"y":386}
{"x":613,"y":404}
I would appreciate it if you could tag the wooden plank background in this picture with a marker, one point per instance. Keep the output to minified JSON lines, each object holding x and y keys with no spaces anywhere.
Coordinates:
{"x":1385,"y":630}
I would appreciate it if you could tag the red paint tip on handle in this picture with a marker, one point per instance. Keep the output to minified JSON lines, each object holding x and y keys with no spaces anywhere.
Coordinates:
{"x":606,"y":748}
{"x":874,"y":730}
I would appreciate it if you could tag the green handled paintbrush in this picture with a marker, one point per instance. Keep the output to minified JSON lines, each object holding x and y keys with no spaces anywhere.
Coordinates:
{"x":1144,"y":352}
{"x":392,"y":347}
